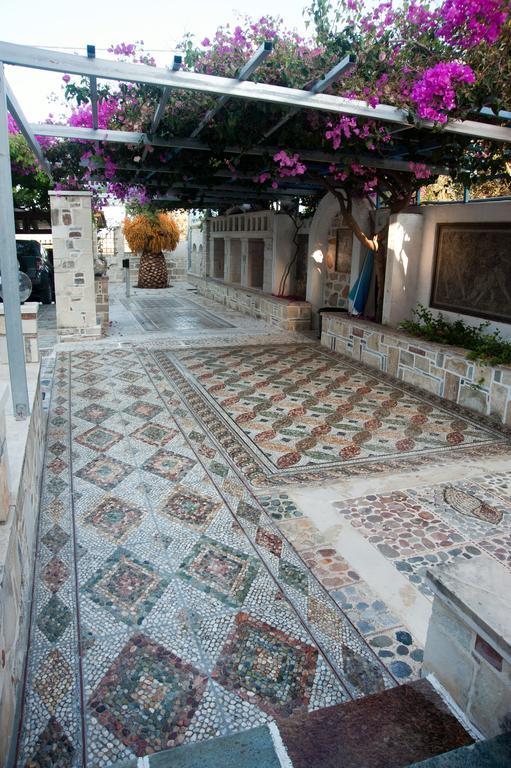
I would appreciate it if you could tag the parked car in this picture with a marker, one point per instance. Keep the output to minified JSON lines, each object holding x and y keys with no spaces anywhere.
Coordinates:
{"x":34,"y":261}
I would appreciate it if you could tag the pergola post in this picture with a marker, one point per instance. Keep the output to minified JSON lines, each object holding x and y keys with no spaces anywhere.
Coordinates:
{"x":9,"y":269}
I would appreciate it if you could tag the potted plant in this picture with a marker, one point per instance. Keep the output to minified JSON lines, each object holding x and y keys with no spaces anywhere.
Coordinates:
{"x":151,"y":233}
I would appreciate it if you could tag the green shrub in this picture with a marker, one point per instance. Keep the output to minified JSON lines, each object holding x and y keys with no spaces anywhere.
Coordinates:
{"x":490,"y":348}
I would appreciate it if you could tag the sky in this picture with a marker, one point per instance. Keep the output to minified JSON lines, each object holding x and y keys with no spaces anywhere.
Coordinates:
{"x":72,"y":24}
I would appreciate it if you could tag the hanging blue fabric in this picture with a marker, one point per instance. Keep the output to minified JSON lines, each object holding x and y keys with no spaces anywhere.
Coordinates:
{"x":358,"y":293}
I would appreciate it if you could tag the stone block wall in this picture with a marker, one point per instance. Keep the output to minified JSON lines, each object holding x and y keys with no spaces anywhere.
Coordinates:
{"x":284,"y":314}
{"x":102,"y":310}
{"x":29,"y":312}
{"x":17,"y":550}
{"x":435,"y":368}
{"x":468,"y":646}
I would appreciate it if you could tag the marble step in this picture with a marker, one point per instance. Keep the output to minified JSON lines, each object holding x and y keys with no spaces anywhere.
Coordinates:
{"x":493,"y":753}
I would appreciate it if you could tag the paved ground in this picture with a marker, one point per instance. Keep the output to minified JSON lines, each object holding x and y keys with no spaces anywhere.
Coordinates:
{"x":224,"y":535}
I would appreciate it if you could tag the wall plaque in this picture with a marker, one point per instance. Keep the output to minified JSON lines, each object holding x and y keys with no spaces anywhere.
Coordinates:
{"x":472,"y":270}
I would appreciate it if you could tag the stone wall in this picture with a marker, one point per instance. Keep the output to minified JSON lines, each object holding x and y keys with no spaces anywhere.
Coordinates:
{"x":436,"y":368}
{"x":288,"y":315}
{"x":29,"y":312}
{"x":17,"y":550}
{"x":468,"y":647}
{"x":102,"y":309}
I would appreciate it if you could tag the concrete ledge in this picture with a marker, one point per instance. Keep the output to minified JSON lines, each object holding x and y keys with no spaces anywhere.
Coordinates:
{"x":436,"y":368}
{"x":280,"y":312}
{"x":29,"y":312}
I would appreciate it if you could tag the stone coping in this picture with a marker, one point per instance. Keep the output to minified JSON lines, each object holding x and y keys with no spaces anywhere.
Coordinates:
{"x":407,"y":338}
{"x":28,"y":308}
{"x":479,"y":590}
{"x":254,"y":291}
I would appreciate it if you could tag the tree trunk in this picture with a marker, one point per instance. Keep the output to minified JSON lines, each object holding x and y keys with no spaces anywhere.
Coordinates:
{"x":152,"y":271}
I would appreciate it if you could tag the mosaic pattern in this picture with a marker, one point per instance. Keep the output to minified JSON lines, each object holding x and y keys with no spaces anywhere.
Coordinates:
{"x":299,"y":412}
{"x":114,"y":518}
{"x":105,"y":472}
{"x":148,"y":697}
{"x":264,"y":665}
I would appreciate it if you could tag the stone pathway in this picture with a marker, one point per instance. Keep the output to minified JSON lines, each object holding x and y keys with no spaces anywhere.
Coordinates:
{"x":186,"y":587}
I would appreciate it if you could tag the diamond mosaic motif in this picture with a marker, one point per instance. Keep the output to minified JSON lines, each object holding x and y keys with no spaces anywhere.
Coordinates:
{"x":114,"y":518}
{"x":89,"y":378}
{"x":53,"y":749}
{"x":154,"y":434}
{"x":57,"y":448}
{"x":56,"y":485}
{"x":93,"y":393}
{"x":53,"y":681}
{"x":170,"y":465}
{"x":248,"y":512}
{"x":94,"y":413}
{"x":148,"y":697}
{"x":98,"y":438}
{"x":129,"y":376}
{"x":54,"y":618}
{"x":293,"y":576}
{"x":133,"y":390}
{"x":55,"y":573}
{"x":126,"y":587}
{"x":143,"y":410}
{"x":189,"y":507}
{"x":55,"y":538}
{"x":269,"y":541}
{"x":219,"y":570}
{"x":265,"y":666}
{"x":106,"y":472}
{"x":57,"y":465}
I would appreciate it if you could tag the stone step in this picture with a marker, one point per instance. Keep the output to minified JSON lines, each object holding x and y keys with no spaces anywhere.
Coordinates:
{"x":391,"y":729}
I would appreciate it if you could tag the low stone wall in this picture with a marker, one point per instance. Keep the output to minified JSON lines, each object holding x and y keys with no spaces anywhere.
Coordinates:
{"x":288,"y":315}
{"x":17,"y":550}
{"x":468,"y":647}
{"x":436,"y":368}
{"x":102,"y":310}
{"x":29,"y":312}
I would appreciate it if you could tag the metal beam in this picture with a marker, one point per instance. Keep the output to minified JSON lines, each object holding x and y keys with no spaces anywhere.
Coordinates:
{"x":10,"y":271}
{"x":91,"y":54}
{"x":23,"y":125}
{"x":250,"y":67}
{"x":162,"y":105}
{"x":340,"y":69}
{"x":132,"y":137}
{"x":53,"y":61}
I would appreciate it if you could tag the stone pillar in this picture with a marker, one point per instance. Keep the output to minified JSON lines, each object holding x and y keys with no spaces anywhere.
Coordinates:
{"x":102,"y":308}
{"x":244,"y":262}
{"x":227,"y":259}
{"x":115,"y":270}
{"x":402,"y":271}
{"x":268,"y":265}
{"x":72,"y":232}
{"x":29,"y":312}
{"x":468,"y":647}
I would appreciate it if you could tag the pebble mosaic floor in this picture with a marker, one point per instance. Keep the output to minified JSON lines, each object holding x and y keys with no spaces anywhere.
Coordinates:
{"x":419,"y":528}
{"x":300,"y":413}
{"x":172,"y":605}
{"x":168,"y":606}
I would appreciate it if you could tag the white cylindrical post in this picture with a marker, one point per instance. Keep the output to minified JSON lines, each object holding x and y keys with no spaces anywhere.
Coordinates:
{"x":10,"y":270}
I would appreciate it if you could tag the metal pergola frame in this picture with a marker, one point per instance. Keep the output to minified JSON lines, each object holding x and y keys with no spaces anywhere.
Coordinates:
{"x":225,"y":88}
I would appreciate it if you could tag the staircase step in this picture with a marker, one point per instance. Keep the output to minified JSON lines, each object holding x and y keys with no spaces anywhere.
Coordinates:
{"x":493,"y":753}
{"x":393,"y":728}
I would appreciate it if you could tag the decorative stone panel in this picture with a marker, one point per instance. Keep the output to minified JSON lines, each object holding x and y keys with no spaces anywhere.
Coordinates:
{"x":436,"y":368}
{"x":282,"y":313}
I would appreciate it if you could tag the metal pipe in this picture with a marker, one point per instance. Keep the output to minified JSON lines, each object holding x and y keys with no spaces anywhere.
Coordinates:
{"x":10,"y":270}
